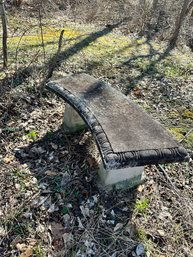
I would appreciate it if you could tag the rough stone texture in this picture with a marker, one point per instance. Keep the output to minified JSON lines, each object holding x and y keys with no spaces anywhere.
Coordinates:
{"x":72,"y":120}
{"x":124,"y":133}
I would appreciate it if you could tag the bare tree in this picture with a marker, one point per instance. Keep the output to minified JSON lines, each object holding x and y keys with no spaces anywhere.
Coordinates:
{"x":184,"y":11}
{"x":4,"y":38}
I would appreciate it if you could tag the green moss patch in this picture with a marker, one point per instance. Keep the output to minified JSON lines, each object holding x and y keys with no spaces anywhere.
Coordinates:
{"x":183,"y":134}
{"x":187,"y":114}
{"x":97,"y":50}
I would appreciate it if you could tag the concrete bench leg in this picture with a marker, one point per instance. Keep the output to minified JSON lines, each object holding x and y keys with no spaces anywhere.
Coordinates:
{"x":72,"y":121}
{"x":121,"y":178}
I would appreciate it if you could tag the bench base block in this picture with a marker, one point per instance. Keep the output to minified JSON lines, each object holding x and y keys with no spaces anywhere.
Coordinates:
{"x":121,"y":178}
{"x":72,"y":121}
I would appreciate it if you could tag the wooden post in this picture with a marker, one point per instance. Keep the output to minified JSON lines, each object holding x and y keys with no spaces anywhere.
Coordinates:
{"x":4,"y":39}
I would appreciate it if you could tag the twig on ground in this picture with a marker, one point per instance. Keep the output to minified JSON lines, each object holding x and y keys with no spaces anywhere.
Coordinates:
{"x":161,"y":168}
{"x":187,"y":134}
{"x":187,"y":204}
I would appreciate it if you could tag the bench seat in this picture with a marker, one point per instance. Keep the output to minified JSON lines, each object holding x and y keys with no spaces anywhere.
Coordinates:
{"x":125,"y":134}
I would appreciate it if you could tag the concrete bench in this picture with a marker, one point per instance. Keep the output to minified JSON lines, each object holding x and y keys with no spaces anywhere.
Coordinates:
{"x":126,"y":136}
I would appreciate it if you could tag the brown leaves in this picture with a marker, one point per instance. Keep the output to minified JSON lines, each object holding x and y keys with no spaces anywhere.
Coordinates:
{"x":91,"y":162}
{"x":61,"y":240}
{"x":8,"y":159}
{"x":26,"y":250}
{"x":138,"y":92}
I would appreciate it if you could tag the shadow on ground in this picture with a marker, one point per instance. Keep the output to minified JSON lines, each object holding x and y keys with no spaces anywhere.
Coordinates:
{"x":66,"y":165}
{"x":22,"y":74}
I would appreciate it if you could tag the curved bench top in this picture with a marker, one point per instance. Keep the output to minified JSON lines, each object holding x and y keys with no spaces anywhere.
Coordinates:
{"x":125,"y":134}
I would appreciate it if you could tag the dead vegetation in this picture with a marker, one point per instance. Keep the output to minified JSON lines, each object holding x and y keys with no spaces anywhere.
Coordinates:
{"x":50,"y":201}
{"x":153,"y":18}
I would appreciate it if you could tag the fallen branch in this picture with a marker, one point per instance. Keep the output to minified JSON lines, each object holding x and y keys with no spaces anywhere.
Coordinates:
{"x":161,"y":168}
{"x":187,"y":134}
{"x":187,"y":204}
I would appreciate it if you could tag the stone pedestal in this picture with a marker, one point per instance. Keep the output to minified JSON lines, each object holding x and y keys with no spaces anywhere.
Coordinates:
{"x":121,"y":178}
{"x":72,"y":121}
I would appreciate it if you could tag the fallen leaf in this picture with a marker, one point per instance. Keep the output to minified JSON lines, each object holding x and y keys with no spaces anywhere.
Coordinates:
{"x":85,"y":211}
{"x":2,"y":232}
{"x":28,"y":252}
{"x":56,"y":230}
{"x":17,"y":186}
{"x":54,"y":146}
{"x":51,"y":173}
{"x":92,"y":162}
{"x":80,"y":223}
{"x":67,"y":238}
{"x":66,"y":178}
{"x":21,"y":247}
{"x":137,"y":92}
{"x":118,"y":227}
{"x":53,"y":208}
{"x":140,"y":188}
{"x":66,"y":219}
{"x":8,"y":159}
{"x":165,"y":215}
{"x":161,"y":232}
{"x":131,"y":229}
{"x":40,"y":228}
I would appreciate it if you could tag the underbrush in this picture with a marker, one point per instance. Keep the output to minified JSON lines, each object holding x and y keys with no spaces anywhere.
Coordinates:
{"x":50,"y":201}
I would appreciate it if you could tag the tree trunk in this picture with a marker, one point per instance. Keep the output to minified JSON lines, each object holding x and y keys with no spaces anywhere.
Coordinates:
{"x":179,"y":22}
{"x":4,"y":39}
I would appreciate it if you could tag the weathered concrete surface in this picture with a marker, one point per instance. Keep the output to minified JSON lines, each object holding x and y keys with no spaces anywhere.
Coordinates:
{"x":121,"y":178}
{"x":125,"y":134}
{"x":72,"y":121}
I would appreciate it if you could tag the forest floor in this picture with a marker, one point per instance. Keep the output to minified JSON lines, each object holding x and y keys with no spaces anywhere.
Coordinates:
{"x":50,"y":203}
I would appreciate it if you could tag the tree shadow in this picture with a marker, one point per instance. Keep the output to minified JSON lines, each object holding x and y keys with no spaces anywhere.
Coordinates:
{"x":65,"y":164}
{"x":57,"y":59}
{"x":154,"y":57}
{"x":151,"y":58}
{"x":22,"y":74}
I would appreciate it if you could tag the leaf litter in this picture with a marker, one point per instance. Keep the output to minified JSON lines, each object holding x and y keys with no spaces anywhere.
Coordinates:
{"x":50,"y":202}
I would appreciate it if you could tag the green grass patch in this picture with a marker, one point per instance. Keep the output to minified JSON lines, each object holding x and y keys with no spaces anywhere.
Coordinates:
{"x":32,"y":135}
{"x":38,"y":251}
{"x":83,"y":47}
{"x":142,"y":205}
{"x":183,"y":134}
